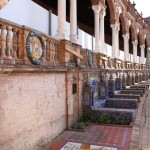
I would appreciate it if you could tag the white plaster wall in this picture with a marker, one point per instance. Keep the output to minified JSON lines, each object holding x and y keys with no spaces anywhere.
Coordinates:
{"x":121,"y":55}
{"x":108,"y":50}
{"x":54,"y":25}
{"x":79,"y":36}
{"x":26,"y":12}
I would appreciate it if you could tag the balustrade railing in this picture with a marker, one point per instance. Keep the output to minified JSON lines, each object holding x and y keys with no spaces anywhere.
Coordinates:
{"x":10,"y":40}
{"x":52,"y":50}
{"x":13,"y":50}
{"x":13,"y":44}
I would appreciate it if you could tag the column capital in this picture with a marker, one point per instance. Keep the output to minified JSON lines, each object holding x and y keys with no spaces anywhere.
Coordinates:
{"x":96,"y":8}
{"x":9,"y":28}
{"x":3,"y":26}
{"x":115,"y":26}
{"x":142,"y":46}
{"x":14,"y":30}
{"x":135,"y":42}
{"x":126,"y":36}
{"x":102,"y":14}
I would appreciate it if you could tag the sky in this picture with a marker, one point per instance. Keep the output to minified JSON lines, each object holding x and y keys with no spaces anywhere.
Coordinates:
{"x":142,"y":5}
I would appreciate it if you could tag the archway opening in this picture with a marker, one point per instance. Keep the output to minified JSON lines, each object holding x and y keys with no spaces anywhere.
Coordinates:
{"x":130,"y":45}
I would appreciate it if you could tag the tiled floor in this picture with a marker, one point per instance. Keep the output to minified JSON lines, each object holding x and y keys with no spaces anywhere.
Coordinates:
{"x":102,"y":135}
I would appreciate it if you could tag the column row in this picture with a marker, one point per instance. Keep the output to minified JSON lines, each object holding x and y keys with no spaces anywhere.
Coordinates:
{"x":99,"y":14}
{"x":61,"y":32}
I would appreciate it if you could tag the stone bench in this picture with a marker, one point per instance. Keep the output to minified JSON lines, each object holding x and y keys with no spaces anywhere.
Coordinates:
{"x":140,"y":92}
{"x":138,"y":88}
{"x":127,"y":96}
{"x":121,"y":103}
{"x":142,"y":89}
{"x":145,"y":84}
{"x":121,"y":115}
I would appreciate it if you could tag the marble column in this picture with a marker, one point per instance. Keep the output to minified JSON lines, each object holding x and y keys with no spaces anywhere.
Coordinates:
{"x":3,"y":41}
{"x":102,"y":32}
{"x":126,"y":46}
{"x":73,"y":21}
{"x":142,"y":53}
{"x":61,"y":32}
{"x":115,"y":40}
{"x":148,"y":59}
{"x":8,"y":42}
{"x":135,"y":51}
{"x":96,"y":9}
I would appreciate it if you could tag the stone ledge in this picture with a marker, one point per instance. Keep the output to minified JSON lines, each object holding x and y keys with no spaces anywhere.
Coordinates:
{"x":135,"y":137}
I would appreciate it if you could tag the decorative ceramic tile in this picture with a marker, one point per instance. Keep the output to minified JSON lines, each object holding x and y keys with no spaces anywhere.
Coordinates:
{"x":35,"y":47}
{"x":126,"y":103}
{"x":80,"y":146}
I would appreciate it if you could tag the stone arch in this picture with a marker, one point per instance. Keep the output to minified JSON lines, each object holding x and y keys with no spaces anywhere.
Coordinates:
{"x":141,"y":38}
{"x":133,"y":32}
{"x":147,"y":41}
{"x":124,"y":23}
{"x":112,"y":8}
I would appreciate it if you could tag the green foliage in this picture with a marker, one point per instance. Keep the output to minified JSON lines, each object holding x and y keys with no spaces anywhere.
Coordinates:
{"x":89,"y":118}
{"x":103,"y":119}
{"x":107,"y":120}
{"x":79,"y":125}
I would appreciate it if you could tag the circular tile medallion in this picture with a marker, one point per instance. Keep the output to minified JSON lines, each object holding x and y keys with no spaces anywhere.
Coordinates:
{"x":35,"y":47}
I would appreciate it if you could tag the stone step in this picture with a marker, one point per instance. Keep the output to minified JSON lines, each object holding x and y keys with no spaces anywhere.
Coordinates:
{"x":99,"y":103}
{"x":138,"y":87}
{"x":142,"y":89}
{"x":127,"y":96}
{"x":147,"y":84}
{"x":140,"y":92}
{"x":121,"y":103}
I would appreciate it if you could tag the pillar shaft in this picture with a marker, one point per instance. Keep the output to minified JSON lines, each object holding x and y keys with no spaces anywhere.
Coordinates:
{"x":115,"y":40}
{"x":147,"y":59}
{"x":61,"y":32}
{"x":135,"y":51}
{"x":142,"y":53}
{"x":102,"y":33}
{"x":3,"y":41}
{"x":126,"y":47}
{"x":96,"y":9}
{"x":73,"y":21}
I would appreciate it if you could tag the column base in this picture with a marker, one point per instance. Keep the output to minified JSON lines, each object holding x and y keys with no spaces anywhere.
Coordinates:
{"x":73,"y":39}
{"x":8,"y":57}
{"x":62,"y":35}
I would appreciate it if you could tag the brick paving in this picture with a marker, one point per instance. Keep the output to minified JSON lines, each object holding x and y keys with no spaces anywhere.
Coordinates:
{"x":101,"y":135}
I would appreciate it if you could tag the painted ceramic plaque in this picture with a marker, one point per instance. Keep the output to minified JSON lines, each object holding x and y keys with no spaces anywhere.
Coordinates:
{"x":35,"y":48}
{"x":80,"y":146}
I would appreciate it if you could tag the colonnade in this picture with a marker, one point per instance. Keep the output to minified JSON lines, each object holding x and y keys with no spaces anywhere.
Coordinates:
{"x":61,"y":32}
{"x":99,"y":14}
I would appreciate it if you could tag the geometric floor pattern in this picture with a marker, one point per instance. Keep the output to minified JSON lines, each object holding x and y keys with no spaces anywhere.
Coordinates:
{"x":96,"y":135}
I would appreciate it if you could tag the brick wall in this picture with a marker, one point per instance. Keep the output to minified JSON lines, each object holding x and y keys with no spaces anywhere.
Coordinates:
{"x":32,"y":109}
{"x":74,"y":99}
